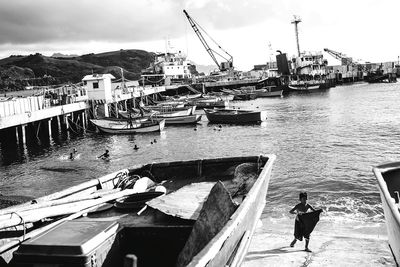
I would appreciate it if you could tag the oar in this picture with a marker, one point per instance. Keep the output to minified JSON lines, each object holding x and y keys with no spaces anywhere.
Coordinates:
{"x":42,"y":213}
{"x":65,"y":200}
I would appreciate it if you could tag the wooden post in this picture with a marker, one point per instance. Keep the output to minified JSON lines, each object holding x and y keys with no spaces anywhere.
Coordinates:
{"x":116,"y":109}
{"x":23,"y":133}
{"x":83,"y":120}
{"x":49,"y":126}
{"x":16,"y":134}
{"x":130,"y":260}
{"x":58,"y":123}
{"x":126,"y":105}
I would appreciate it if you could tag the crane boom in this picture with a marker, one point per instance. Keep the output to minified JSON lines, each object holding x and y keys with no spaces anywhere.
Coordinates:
{"x":345,"y":59}
{"x":211,"y":52}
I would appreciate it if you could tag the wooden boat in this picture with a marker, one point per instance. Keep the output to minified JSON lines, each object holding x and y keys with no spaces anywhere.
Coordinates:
{"x":221,"y":95}
{"x":268,"y":92}
{"x":124,"y":127}
{"x":235,"y":116}
{"x":183,"y":97}
{"x":173,"y":111}
{"x":206,"y":218}
{"x":388,"y":176}
{"x":210,"y":102}
{"x":178,"y":120}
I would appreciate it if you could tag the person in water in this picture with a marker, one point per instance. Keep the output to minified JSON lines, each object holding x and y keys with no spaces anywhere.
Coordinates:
{"x":106,"y":155}
{"x":71,"y":156}
{"x":299,"y":209}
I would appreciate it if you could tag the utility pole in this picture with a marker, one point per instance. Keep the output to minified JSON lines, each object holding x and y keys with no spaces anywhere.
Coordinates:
{"x":296,"y":21}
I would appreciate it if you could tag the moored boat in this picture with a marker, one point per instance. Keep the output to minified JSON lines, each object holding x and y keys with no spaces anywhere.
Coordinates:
{"x":206,"y":218}
{"x":128,"y":127}
{"x":303,"y":87}
{"x":178,"y":120}
{"x":268,"y":92}
{"x":209,"y":102}
{"x":388,"y":176}
{"x":235,"y":116}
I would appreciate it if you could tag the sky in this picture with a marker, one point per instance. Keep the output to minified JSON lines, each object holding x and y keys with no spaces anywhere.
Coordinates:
{"x":250,"y":30}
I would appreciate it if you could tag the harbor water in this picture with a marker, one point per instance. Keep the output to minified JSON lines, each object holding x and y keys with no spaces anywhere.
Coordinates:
{"x":326,"y":144}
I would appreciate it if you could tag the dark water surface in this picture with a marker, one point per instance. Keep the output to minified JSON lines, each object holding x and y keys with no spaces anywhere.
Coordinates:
{"x":326,"y":144}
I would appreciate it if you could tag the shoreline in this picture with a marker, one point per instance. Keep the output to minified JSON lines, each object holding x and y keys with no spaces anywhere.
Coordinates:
{"x":332,"y":244}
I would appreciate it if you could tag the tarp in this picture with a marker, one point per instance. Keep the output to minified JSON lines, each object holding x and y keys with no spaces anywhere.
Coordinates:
{"x":305,"y":224}
{"x":214,"y":215}
{"x":184,"y":203}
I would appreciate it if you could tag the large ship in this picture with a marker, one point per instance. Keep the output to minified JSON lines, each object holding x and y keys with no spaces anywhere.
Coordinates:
{"x":168,"y":68}
{"x":309,"y":71}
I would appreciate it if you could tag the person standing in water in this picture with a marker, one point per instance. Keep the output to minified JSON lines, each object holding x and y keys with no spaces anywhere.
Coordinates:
{"x":299,"y":209}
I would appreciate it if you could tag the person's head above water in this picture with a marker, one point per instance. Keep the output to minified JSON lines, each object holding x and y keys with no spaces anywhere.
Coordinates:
{"x":303,"y":197}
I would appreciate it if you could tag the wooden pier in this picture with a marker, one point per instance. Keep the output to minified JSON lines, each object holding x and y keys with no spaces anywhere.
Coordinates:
{"x":35,"y":116}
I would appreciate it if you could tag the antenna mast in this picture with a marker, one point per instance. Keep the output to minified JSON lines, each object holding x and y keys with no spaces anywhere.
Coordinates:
{"x":296,"y":20}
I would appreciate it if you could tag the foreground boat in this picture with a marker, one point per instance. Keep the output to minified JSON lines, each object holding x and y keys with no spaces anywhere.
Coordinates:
{"x":235,"y":116}
{"x":126,"y":127}
{"x":206,"y":218}
{"x":388,"y":176}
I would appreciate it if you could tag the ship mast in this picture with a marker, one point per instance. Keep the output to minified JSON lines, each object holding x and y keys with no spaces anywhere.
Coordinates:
{"x":296,"y":21}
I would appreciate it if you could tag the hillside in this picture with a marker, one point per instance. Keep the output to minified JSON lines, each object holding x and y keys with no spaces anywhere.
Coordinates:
{"x":37,"y":69}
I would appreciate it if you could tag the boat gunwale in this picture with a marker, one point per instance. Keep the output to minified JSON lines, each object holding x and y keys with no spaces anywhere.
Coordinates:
{"x":378,"y":171}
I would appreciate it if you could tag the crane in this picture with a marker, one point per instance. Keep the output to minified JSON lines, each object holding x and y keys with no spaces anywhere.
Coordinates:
{"x":223,"y":66}
{"x":343,"y":58}
{"x":296,"y":20}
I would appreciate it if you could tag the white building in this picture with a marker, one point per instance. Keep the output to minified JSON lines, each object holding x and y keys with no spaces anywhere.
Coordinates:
{"x":100,"y":91}
{"x":99,"y":87}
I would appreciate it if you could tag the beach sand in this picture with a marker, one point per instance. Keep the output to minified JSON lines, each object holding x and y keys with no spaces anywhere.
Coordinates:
{"x":332,"y":244}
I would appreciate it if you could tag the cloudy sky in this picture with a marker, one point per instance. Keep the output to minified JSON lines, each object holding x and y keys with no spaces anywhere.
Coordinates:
{"x":250,"y":30}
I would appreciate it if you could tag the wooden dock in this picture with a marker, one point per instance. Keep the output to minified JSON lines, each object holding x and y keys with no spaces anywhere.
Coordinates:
{"x":331,"y":245}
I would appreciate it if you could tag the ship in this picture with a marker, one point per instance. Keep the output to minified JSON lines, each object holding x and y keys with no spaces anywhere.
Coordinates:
{"x":168,"y":68}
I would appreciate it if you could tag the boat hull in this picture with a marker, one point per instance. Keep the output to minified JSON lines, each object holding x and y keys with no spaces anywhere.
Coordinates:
{"x":388,"y":177}
{"x":266,"y":93}
{"x":303,"y":88}
{"x":227,"y":247}
{"x":235,"y":116}
{"x":122,"y":127}
{"x":178,"y":120}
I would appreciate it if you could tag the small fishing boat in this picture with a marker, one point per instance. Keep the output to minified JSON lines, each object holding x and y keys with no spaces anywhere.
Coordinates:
{"x":178,"y":120}
{"x":182,"y":97}
{"x":199,"y":212}
{"x":128,"y":127}
{"x":221,"y":95}
{"x":235,"y":116}
{"x":209,"y":102}
{"x":173,"y":111}
{"x":304,"y":87}
{"x":388,"y":176}
{"x":269,"y":92}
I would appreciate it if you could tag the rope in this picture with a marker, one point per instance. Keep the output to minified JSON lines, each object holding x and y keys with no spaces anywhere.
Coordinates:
{"x":23,"y":223}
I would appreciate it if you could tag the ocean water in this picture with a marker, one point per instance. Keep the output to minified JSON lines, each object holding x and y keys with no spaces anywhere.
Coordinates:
{"x":326,"y":144}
